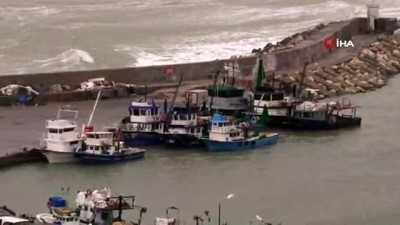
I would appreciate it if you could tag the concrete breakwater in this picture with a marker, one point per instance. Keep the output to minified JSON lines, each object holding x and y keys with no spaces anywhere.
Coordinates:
{"x":25,"y":156}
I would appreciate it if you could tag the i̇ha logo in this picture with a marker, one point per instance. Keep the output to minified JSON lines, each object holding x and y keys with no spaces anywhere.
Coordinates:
{"x":332,"y":42}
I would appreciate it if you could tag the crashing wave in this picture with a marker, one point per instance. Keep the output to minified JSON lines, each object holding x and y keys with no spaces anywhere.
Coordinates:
{"x":68,"y":58}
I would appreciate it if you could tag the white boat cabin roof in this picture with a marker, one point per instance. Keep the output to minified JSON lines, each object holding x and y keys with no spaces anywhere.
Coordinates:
{"x":142,"y":104}
{"x":60,"y":123}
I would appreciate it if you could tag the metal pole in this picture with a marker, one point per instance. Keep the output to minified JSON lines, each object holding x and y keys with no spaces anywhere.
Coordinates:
{"x":120,"y":208}
{"x":219,"y":213}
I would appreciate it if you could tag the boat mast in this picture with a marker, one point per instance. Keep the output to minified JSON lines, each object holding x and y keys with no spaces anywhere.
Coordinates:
{"x":176,"y":93}
{"x":214,"y":89}
{"x":94,"y":108}
{"x":302,"y":78}
{"x":260,"y":72}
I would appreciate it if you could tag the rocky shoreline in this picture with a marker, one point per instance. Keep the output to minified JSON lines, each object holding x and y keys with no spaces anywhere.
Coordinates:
{"x":369,"y":70}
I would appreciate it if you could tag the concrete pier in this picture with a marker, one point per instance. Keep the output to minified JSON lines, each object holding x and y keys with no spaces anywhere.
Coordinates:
{"x":25,"y":156}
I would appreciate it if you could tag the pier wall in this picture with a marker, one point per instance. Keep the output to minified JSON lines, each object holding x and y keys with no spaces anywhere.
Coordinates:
{"x":17,"y":158}
{"x":307,"y":49}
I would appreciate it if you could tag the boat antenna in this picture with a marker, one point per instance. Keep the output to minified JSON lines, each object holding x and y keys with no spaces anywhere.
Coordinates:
{"x":214,"y":89}
{"x":94,"y":108}
{"x":145,"y":93}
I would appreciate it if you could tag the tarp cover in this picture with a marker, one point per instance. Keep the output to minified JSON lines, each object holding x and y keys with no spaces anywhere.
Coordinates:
{"x":57,"y":201}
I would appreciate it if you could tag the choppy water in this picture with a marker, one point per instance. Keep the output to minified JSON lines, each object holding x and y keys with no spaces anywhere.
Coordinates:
{"x":314,"y":178}
{"x":49,"y":35}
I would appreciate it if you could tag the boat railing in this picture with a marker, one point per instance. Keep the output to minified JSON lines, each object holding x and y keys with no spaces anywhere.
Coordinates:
{"x":224,"y":129}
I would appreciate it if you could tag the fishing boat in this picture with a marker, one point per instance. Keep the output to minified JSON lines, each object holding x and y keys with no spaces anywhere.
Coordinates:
{"x":62,"y":137}
{"x":9,"y":217}
{"x":93,"y":207}
{"x":227,"y":136}
{"x":311,"y":115}
{"x":143,"y":126}
{"x":59,"y":212}
{"x":185,"y":128}
{"x":102,"y":147}
{"x":299,"y":112}
{"x":228,"y":100}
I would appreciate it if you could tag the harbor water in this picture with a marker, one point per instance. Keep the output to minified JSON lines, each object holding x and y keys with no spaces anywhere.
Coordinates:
{"x":55,"y":35}
{"x":334,"y":177}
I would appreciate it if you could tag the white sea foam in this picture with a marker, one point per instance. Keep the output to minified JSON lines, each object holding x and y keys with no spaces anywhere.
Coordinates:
{"x":68,"y":58}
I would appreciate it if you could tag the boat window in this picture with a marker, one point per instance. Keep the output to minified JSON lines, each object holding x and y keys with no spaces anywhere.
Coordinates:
{"x":175,"y":117}
{"x":143,"y":112}
{"x":307,"y":114}
{"x":156,"y":111}
{"x":60,"y":131}
{"x":136,"y":112}
{"x":68,"y":129}
{"x":192,"y":130}
{"x":215,"y":124}
{"x":220,"y":124}
{"x":73,"y":142}
{"x":90,"y":135}
{"x":53,"y":131}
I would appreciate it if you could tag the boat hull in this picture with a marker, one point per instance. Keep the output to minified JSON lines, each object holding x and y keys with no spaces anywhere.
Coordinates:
{"x":58,"y":157}
{"x":303,"y":124}
{"x":96,"y":159}
{"x":221,"y":146}
{"x":182,"y":140}
{"x":136,"y":139}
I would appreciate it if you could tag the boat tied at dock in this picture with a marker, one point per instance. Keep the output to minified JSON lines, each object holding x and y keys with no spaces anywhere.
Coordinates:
{"x":227,"y":136}
{"x":105,"y":147}
{"x":62,"y":137}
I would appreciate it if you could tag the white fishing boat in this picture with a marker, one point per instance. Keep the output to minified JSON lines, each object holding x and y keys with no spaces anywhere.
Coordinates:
{"x":62,"y":137}
{"x":8,"y":217}
{"x":92,"y":207}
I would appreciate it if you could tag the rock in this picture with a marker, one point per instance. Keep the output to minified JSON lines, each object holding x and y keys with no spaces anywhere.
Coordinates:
{"x":396,"y":53}
{"x":396,"y":35}
{"x":332,"y":93}
{"x":360,"y":89}
{"x":66,"y":88}
{"x":56,"y":88}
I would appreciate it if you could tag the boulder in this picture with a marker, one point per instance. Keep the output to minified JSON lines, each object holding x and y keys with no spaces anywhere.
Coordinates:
{"x":396,"y":35}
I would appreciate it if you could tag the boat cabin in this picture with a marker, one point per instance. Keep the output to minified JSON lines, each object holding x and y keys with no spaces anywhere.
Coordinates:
{"x":100,"y":142}
{"x":324,"y":110}
{"x":185,"y":123}
{"x":144,"y":117}
{"x":197,"y":97}
{"x":228,"y":100}
{"x":62,"y":132}
{"x":224,"y":129}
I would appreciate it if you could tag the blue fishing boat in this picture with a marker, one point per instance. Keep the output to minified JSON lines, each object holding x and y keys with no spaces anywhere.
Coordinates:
{"x":101,"y":147}
{"x":144,"y":125}
{"x":227,"y":136}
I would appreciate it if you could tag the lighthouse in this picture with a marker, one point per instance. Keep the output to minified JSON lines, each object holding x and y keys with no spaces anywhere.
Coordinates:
{"x":372,"y":15}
